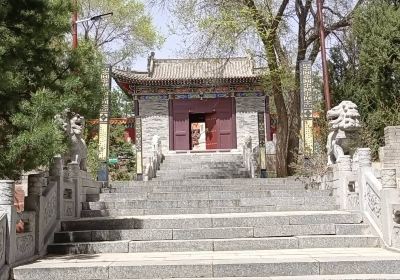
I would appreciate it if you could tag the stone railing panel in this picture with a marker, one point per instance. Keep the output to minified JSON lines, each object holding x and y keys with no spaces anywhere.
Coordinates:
{"x":155,"y":160}
{"x":25,"y":242}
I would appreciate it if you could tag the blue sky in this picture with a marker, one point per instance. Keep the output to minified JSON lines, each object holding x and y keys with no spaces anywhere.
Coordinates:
{"x":173,"y":44}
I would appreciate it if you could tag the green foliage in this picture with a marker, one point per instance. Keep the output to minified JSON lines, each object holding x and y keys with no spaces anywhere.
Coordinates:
{"x":41,"y":76}
{"x":93,"y":161}
{"x":124,"y":35}
{"x":121,"y":104}
{"x":124,"y":170}
{"x":368,"y":72}
{"x":124,"y":151}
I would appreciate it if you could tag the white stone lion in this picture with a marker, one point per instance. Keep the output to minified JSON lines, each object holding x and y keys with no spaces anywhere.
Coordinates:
{"x":73,"y":124}
{"x":344,"y":124}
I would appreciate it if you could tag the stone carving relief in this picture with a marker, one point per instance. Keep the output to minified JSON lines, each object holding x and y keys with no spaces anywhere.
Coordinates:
{"x":344,"y":125}
{"x":353,"y":201}
{"x":73,"y":125}
{"x":69,"y":208}
{"x":373,"y":201}
{"x":25,"y":244}
{"x":50,"y":208}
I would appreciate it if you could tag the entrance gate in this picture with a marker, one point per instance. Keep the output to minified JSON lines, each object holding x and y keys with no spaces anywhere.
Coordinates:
{"x":219,"y":119}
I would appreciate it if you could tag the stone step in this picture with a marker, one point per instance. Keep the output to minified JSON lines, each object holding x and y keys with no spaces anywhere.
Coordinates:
{"x":278,"y":182}
{"x":115,"y":212}
{"x":260,"y":219}
{"x":215,"y":195}
{"x":307,"y":202}
{"x":201,"y":175}
{"x":214,"y":264}
{"x":211,"y":233}
{"x":195,"y":187}
{"x":307,"y":277}
{"x":239,"y":244}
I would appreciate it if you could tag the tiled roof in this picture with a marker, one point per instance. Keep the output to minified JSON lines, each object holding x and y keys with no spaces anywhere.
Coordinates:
{"x":192,"y":69}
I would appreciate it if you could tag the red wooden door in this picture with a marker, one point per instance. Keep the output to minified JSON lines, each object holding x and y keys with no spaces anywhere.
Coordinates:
{"x":225,"y":130}
{"x":181,"y":131}
{"x":211,"y":131}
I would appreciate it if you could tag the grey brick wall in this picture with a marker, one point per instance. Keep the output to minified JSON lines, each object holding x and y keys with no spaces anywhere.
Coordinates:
{"x":154,"y":115}
{"x":246,"y":118}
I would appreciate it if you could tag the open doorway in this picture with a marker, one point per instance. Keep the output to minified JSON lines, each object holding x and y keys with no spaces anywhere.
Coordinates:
{"x":197,"y":125}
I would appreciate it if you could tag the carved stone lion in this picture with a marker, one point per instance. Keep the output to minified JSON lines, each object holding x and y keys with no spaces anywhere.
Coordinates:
{"x":73,"y":125}
{"x":344,"y":124}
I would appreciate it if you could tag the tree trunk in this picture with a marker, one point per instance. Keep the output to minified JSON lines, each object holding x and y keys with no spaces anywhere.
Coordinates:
{"x":295,"y":104}
{"x":282,"y":125}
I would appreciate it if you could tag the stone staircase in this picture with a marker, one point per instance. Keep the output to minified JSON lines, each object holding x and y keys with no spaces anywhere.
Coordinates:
{"x":190,"y":223}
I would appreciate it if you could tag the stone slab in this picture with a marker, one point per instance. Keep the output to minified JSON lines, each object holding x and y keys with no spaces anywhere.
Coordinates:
{"x":212,"y":233}
{"x":292,"y":230}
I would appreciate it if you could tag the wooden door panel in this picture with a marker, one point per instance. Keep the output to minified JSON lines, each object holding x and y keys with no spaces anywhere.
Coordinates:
{"x":211,"y":131}
{"x":181,"y":131}
{"x":225,"y":130}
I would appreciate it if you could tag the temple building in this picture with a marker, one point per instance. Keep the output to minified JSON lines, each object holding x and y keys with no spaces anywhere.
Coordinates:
{"x":198,"y":104}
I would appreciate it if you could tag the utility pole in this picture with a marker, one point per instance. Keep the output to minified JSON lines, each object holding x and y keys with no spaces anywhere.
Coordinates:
{"x":325,"y":72}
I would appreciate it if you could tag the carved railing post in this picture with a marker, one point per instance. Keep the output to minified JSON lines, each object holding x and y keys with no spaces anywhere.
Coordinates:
{"x":344,"y":171}
{"x":7,"y":191}
{"x":389,"y":198}
{"x":36,"y":182}
{"x":57,"y":175}
{"x":74,"y":173}
{"x":364,"y":165}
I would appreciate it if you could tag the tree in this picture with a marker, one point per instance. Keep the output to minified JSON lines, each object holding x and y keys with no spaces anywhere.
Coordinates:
{"x":123,"y":36}
{"x":41,"y":76}
{"x":265,"y":28}
{"x":365,"y":68}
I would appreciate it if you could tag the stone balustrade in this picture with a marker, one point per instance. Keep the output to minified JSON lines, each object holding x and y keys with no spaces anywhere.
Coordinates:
{"x":52,"y":196}
{"x":155,"y":159}
{"x":356,"y":187}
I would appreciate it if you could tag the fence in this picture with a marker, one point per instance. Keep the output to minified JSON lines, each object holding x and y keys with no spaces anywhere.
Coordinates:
{"x":52,"y":196}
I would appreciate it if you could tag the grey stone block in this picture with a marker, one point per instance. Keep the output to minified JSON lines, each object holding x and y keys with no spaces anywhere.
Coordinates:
{"x":335,"y":241}
{"x":212,"y":233}
{"x":179,"y":196}
{"x":293,"y":230}
{"x":272,"y":201}
{"x":268,"y":267}
{"x":175,"y":211}
{"x":63,"y":271}
{"x":99,"y":224}
{"x":89,"y":247}
{"x":136,"y":234}
{"x":175,"y":223}
{"x":352,"y":229}
{"x":170,"y":246}
{"x":322,"y":218}
{"x":132,"y":271}
{"x":75,"y":236}
{"x":255,"y":244}
{"x":250,"y":221}
{"x":365,"y":265}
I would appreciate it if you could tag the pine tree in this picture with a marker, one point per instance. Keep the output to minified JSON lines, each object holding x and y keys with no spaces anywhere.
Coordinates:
{"x":41,"y":76}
